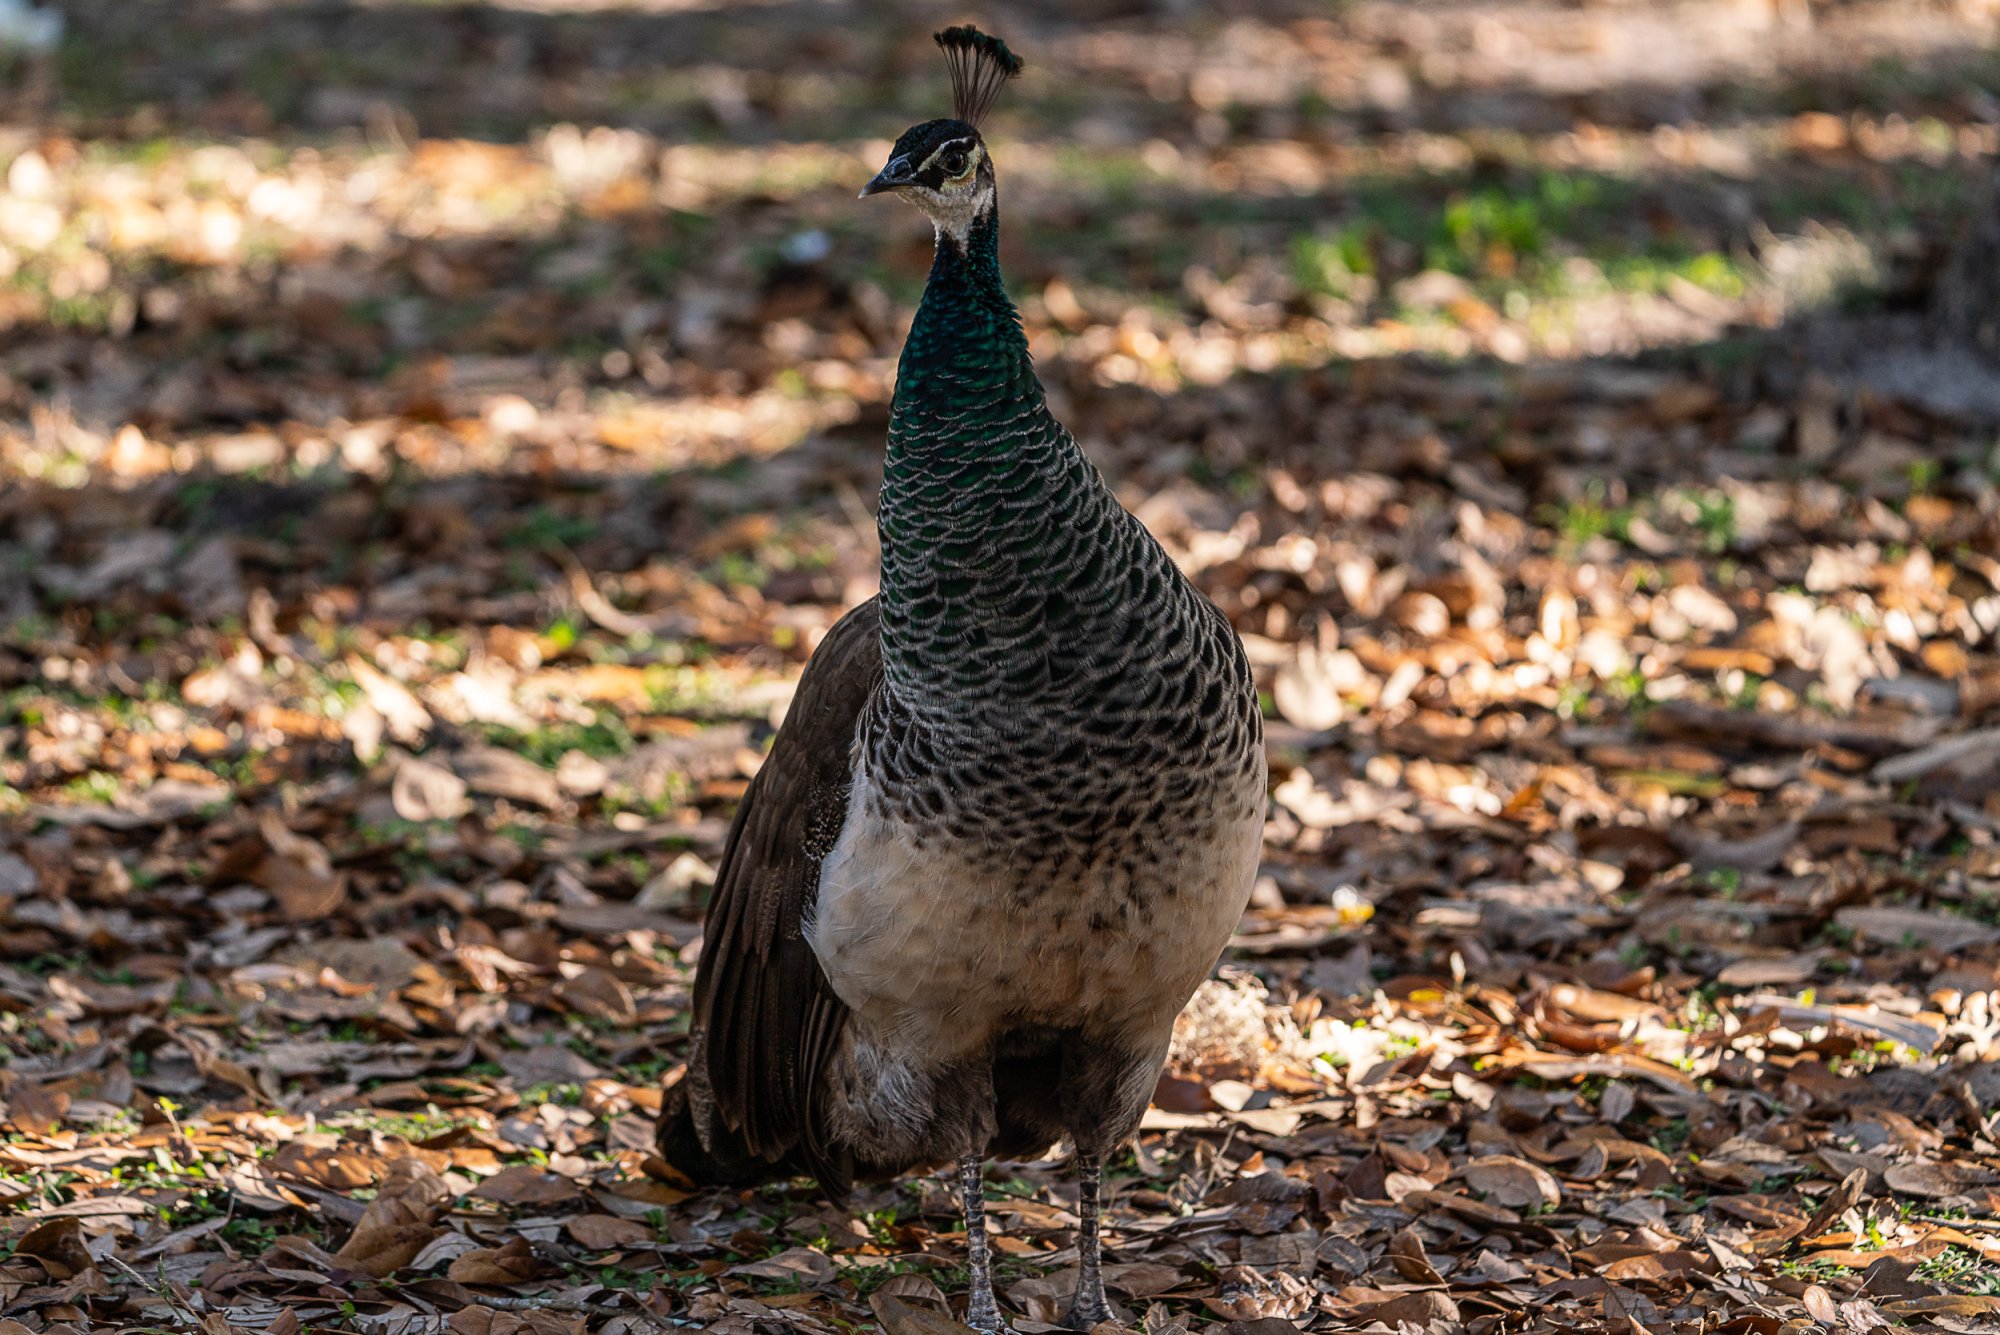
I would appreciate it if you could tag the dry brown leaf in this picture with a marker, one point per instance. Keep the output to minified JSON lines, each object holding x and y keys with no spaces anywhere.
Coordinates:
{"x":1611,"y":1064}
{"x":902,"y":1317}
{"x":1142,"y":1279}
{"x":637,"y":1199}
{"x":600,"y":994}
{"x":35,"y":1109}
{"x":1934,"y":1180}
{"x":479,"y":1320}
{"x":422,"y":791}
{"x":1424,"y":1309}
{"x":801,"y":1264}
{"x":393,"y":702}
{"x":1911,"y":1031}
{"x":1246,"y":1294}
{"x":338,"y":1167}
{"x":1655,"y":1267}
{"x":1511,"y":1181}
{"x":919,"y":1289}
{"x":490,"y":771}
{"x":1308,"y":690}
{"x":1837,"y":1203}
{"x":602,"y":1232}
{"x":412,"y":1180}
{"x":1945,"y":1304}
{"x":511,"y":1263}
{"x":1406,"y":1251}
{"x":1264,"y":1325}
{"x":399,"y":1223}
{"x":1595,"y":1006}
{"x":1927,"y":928}
{"x":1488,"y":1213}
{"x":1772,"y":971}
{"x":523,"y":1185}
{"x":60,"y":1245}
{"x":381,"y":1248}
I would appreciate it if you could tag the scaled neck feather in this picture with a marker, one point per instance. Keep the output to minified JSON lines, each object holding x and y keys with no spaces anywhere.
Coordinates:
{"x":965,"y":348}
{"x":983,"y":490}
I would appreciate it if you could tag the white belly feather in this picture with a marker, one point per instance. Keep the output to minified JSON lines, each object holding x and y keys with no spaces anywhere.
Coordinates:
{"x":898,"y":927}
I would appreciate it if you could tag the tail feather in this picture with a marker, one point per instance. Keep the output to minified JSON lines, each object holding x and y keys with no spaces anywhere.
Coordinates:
{"x":708,"y":1154}
{"x":715,"y":1160}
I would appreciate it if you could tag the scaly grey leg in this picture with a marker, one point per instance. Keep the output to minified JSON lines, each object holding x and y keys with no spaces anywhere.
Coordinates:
{"x":982,"y":1313}
{"x":1089,"y":1306}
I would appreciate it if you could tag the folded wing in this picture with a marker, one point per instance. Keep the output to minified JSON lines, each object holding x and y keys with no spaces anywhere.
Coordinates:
{"x":765,"y":1020}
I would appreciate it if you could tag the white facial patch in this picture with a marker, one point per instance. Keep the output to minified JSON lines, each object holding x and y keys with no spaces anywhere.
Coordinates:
{"x":962,"y":199}
{"x":955,"y":212}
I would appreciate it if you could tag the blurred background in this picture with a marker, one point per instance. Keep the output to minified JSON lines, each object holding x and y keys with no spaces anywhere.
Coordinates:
{"x":434,"y":435}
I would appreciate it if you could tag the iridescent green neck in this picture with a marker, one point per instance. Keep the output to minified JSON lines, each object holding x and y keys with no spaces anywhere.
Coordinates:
{"x":965,"y":348}
{"x":983,"y":493}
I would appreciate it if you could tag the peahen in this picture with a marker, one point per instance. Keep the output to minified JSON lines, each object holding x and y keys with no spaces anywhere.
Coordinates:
{"x":1015,"y":810}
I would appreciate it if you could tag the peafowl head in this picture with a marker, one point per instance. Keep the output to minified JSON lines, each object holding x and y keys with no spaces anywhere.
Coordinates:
{"x":942,"y":166}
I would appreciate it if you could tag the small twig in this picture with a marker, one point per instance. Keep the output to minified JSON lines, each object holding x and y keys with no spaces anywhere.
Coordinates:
{"x":1988,"y":1225}
{"x":589,"y":601}
{"x":164,"y":1290}
{"x":1215,"y":1164}
{"x":1207,"y":1174}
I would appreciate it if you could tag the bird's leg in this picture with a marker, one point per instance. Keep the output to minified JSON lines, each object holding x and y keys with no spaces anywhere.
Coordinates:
{"x":1089,"y":1306}
{"x":982,"y":1313}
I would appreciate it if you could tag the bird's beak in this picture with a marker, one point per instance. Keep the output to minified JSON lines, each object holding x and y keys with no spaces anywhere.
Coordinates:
{"x":892,"y":177}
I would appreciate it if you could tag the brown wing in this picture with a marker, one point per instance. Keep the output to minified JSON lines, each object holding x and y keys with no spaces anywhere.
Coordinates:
{"x":765,"y":1018}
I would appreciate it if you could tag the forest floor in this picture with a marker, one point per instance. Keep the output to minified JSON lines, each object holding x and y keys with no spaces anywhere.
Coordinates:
{"x":433,"y":437}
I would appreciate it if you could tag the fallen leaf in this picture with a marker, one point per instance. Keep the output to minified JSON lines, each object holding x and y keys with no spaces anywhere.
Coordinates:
{"x":1406,"y":1252}
{"x":1507,"y":1180}
{"x":1424,"y":1309}
{"x":59,"y":1245}
{"x":35,"y":1109}
{"x":802,"y":1264}
{"x":1945,"y":1304}
{"x":1930,"y":929}
{"x":901,"y":1317}
{"x":1933,"y":1180}
{"x":399,"y":1223}
{"x":602,"y":1232}
{"x":523,"y":1185}
{"x":599,"y":994}
{"x":490,"y":771}
{"x":507,"y":1265}
{"x":1837,"y":1203}
{"x":425,"y":792}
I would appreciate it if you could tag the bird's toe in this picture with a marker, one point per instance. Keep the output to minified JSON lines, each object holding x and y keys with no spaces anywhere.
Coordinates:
{"x":1085,"y":1316}
{"x":998,"y":1326}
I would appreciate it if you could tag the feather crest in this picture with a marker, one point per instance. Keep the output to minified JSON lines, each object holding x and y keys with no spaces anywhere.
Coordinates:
{"x":980,"y":66}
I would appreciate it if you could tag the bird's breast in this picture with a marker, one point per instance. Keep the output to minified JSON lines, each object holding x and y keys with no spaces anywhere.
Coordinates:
{"x":941,"y":933}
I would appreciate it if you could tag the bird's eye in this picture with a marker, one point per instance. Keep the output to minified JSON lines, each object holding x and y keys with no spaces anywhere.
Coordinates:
{"x":953,"y":162}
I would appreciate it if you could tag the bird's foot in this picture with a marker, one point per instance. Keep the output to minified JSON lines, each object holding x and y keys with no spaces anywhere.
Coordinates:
{"x":982,"y":1312}
{"x":1089,"y":1306}
{"x":984,"y":1316}
{"x":1085,"y":1315}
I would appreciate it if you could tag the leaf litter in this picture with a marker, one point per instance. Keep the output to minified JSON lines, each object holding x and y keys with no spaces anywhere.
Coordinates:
{"x":412,"y":537}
